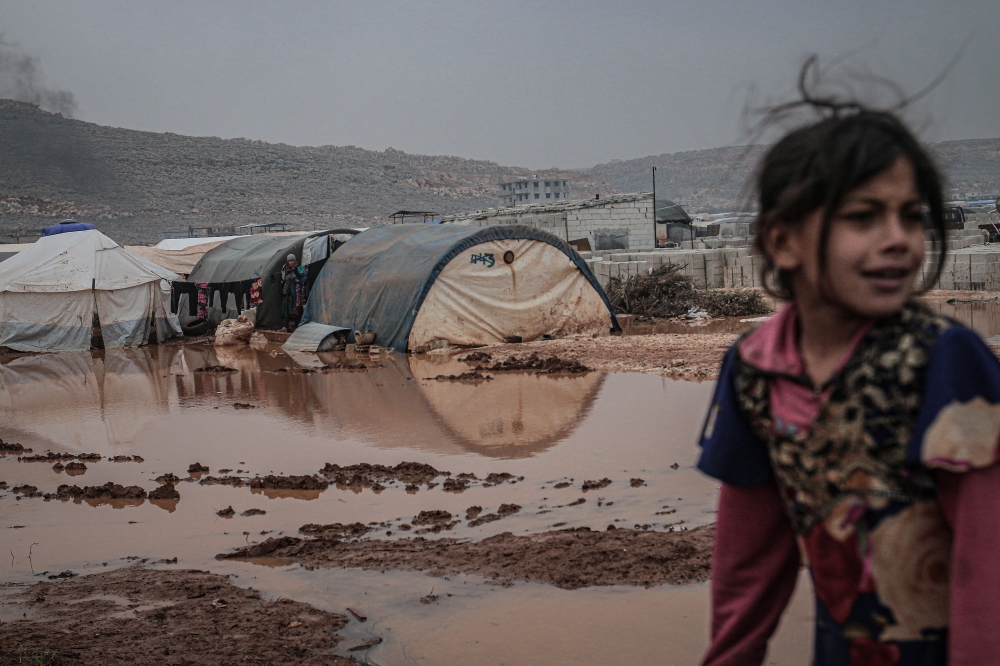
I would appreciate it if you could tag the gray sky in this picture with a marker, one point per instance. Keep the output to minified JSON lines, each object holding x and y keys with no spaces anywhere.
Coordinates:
{"x":536,"y":84}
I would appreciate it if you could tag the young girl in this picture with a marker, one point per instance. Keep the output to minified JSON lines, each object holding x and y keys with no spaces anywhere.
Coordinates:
{"x":856,"y":431}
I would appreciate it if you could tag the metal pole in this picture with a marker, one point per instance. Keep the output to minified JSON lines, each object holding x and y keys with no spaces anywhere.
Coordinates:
{"x":656,"y":243}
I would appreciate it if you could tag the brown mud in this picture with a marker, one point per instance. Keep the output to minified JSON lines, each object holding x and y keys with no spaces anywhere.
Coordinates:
{"x":143,"y":616}
{"x":678,"y":356}
{"x":549,"y":365}
{"x":568,"y":559}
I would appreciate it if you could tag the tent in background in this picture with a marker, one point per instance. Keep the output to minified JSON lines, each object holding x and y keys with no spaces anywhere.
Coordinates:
{"x":229,"y":269}
{"x":416,"y":284}
{"x":180,"y":260}
{"x":48,"y":295}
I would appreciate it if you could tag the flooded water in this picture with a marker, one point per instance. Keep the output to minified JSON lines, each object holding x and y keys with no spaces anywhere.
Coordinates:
{"x":984,"y":318}
{"x":151,"y":403}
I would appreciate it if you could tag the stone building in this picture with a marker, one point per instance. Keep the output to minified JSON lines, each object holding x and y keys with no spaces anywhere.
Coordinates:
{"x":526,"y":191}
{"x":622,"y":222}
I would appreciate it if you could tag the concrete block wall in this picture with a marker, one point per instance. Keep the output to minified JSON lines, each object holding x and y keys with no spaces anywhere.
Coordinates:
{"x":970,"y":265}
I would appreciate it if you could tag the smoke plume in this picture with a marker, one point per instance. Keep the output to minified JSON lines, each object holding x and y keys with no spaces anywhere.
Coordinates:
{"x":20,"y":79}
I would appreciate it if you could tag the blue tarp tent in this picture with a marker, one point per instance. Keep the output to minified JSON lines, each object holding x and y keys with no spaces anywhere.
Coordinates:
{"x":416,"y":284}
{"x":66,"y":227}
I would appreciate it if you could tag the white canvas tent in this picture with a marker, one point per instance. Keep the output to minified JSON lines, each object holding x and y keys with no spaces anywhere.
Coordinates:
{"x":49,"y":292}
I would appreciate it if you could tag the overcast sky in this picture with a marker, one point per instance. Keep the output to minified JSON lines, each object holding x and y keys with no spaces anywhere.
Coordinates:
{"x":535,"y":84}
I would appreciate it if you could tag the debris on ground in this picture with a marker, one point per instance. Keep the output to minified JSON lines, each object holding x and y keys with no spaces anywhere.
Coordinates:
{"x":637,"y":483}
{"x":569,"y":559}
{"x":76,"y":467}
{"x":169,"y":477}
{"x":216,"y":369}
{"x":244,"y":405}
{"x":197,"y":468}
{"x":253,"y":512}
{"x":665,"y":293}
{"x":337,"y":530}
{"x":173,"y":622}
{"x":228,"y":512}
{"x":371,"y":642}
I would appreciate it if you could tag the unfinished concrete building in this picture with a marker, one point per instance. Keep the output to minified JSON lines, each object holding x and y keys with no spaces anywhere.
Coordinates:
{"x":526,"y":191}
{"x":619,"y":222}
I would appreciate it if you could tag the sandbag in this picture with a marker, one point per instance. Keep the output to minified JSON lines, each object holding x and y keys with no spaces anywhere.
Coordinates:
{"x":234,"y":332}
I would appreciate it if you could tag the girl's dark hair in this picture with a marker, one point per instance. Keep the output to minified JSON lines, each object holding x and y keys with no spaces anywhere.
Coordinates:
{"x":816,"y":166}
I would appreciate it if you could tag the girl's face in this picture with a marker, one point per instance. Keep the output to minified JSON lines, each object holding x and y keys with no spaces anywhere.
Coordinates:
{"x":875,"y":247}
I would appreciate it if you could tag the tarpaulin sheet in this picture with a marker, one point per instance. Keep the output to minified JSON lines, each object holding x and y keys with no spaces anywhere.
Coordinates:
{"x":379,"y":280}
{"x":479,"y":298}
{"x":181,"y":261}
{"x":47,"y":292}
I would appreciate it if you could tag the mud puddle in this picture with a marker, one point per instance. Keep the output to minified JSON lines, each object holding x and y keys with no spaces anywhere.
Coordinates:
{"x":544,"y":437}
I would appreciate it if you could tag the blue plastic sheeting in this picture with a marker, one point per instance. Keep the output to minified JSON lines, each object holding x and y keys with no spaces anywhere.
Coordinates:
{"x":379,"y":280}
{"x":66,"y":228}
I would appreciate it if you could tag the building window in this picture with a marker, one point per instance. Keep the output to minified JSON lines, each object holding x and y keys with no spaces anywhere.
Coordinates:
{"x":537,"y":195}
{"x":536,"y":184}
{"x":557,"y":195}
{"x":548,"y":196}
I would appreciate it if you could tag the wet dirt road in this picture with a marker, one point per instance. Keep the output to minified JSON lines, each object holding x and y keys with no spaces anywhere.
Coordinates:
{"x":557,"y":432}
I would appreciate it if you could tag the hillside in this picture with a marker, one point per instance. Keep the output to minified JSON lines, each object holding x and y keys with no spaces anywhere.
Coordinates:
{"x":137,"y":184}
{"x":713,"y":180}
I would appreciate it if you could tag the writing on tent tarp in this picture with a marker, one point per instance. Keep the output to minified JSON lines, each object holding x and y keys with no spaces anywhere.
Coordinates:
{"x":486,"y":259}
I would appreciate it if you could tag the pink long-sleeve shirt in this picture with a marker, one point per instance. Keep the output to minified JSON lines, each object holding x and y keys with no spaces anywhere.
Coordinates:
{"x":756,"y":558}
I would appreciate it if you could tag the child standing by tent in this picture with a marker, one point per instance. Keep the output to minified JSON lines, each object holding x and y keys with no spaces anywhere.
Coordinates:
{"x":856,"y":431}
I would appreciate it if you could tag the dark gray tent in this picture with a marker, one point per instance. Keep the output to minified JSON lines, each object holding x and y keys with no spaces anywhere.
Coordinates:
{"x":229,"y":269}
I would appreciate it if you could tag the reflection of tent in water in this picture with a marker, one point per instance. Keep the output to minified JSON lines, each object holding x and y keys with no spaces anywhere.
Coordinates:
{"x":515,"y":415}
{"x":82,"y":401}
{"x":512,"y":415}
{"x":49,"y":292}
{"x":232,"y":268}
{"x":415,"y":284}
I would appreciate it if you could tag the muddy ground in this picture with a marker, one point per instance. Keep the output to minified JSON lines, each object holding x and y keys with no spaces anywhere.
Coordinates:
{"x":693,"y":356}
{"x":568,"y":559}
{"x":678,"y":356}
{"x":143,"y":616}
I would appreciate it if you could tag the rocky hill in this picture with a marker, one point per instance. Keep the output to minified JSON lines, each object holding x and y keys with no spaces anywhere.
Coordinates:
{"x":714,"y":180}
{"x":135,"y":185}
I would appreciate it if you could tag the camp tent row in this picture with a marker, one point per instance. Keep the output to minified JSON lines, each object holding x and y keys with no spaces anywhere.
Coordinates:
{"x":415,"y":286}
{"x":51,"y":293}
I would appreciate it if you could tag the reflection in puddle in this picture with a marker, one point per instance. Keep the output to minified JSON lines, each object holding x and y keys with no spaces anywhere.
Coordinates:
{"x":149,"y":402}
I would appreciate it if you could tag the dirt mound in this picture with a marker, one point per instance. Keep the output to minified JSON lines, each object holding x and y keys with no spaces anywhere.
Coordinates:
{"x":108,"y":491}
{"x":234,"y":481}
{"x":275,"y":482}
{"x":48,"y":456}
{"x":26,"y":491}
{"x":504,"y":511}
{"x":365,"y":475}
{"x":568,"y":559}
{"x":351,"y":530}
{"x":174,"y":617}
{"x":595,"y":485}
{"x":165,"y":492}
{"x":543,"y":366}
{"x":197,"y":468}
{"x":11,"y":447}
{"x":471,"y":376}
